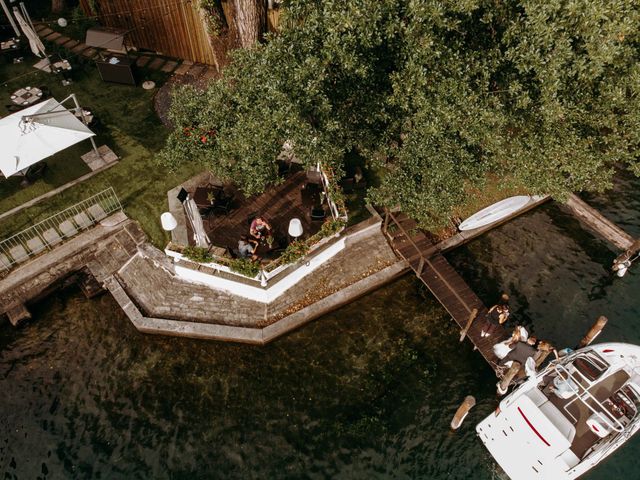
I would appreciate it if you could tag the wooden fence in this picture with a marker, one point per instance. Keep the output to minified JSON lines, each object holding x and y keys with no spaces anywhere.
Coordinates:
{"x":170,"y":27}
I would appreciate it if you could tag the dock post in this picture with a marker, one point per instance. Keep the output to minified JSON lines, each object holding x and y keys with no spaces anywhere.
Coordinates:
{"x":594,"y":331}
{"x":503,"y":385}
{"x":468,"y":403}
{"x":18,"y":314}
{"x":472,"y":317}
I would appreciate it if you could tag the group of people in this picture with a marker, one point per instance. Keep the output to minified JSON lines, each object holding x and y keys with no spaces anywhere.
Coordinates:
{"x":521,"y":346}
{"x":259,"y":231}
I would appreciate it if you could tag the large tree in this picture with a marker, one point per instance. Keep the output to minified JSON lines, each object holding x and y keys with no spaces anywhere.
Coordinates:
{"x":438,"y":96}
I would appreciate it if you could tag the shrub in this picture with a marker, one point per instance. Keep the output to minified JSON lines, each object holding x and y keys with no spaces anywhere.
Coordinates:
{"x":295,"y":251}
{"x":245,"y":266}
{"x":197,"y":254}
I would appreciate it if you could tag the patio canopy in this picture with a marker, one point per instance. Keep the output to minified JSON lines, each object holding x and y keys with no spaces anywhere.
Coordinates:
{"x":37,"y":132}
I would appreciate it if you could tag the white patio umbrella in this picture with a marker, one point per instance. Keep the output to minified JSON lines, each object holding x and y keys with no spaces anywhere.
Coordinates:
{"x":199,"y":235}
{"x":34,"y":41}
{"x":36,"y":133}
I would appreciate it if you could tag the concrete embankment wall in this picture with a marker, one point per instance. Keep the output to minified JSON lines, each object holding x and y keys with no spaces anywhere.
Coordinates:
{"x":142,"y":280}
{"x":105,"y":247}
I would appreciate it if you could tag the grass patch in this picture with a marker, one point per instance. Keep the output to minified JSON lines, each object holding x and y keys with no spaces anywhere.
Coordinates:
{"x":496,"y":189}
{"x":126,"y":123}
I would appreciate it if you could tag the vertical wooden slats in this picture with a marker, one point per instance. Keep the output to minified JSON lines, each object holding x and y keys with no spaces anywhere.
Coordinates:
{"x":171,"y":27}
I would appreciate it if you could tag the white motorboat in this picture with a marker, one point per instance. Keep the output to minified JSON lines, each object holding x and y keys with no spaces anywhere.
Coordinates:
{"x":567,"y":418}
{"x":495,"y":212}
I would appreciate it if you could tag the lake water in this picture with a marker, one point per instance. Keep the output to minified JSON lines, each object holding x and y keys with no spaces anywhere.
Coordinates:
{"x":366,"y":392}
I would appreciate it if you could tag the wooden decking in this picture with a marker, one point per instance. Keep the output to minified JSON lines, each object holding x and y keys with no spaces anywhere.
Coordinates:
{"x":278,"y":205}
{"x":430,"y":266}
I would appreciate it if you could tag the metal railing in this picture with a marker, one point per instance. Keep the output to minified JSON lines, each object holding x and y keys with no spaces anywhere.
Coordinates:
{"x":50,"y":232}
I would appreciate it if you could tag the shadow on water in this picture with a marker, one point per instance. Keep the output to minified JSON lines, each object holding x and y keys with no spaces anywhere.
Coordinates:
{"x":365,"y":392}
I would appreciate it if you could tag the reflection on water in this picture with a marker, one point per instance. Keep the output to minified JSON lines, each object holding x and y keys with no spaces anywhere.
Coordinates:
{"x":366,"y":392}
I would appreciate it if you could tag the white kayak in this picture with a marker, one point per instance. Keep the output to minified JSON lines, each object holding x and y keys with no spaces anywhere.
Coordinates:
{"x":495,"y":212}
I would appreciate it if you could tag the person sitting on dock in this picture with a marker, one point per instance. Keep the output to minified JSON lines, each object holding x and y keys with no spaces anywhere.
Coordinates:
{"x":496,"y":316}
{"x":521,"y":351}
{"x":502,"y":349}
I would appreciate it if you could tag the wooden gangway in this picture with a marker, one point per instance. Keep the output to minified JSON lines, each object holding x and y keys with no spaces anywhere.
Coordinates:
{"x":430,"y":266}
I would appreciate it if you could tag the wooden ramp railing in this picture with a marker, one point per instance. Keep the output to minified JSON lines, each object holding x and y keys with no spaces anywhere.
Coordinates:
{"x":441,"y":279}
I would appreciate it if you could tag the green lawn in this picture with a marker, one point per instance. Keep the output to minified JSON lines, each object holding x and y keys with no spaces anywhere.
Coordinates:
{"x":126,"y":123}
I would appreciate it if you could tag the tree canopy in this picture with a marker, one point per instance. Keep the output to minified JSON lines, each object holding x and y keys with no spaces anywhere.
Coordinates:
{"x":437,"y":96}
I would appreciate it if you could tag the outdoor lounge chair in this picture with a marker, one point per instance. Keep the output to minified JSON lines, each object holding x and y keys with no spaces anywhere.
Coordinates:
{"x":347,"y":185}
{"x":4,"y":261}
{"x":68,"y":229}
{"x":318,"y":213}
{"x":97,"y":212}
{"x":18,"y":253}
{"x":35,"y":171}
{"x":207,"y":214}
{"x":35,"y":245}
{"x":82,"y":220}
{"x":52,"y":237}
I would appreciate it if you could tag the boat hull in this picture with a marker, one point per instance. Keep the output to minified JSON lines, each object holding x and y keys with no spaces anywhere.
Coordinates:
{"x":526,"y":437}
{"x":494,"y":213}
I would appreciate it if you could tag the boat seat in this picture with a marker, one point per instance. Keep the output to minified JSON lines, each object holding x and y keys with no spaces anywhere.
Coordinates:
{"x":598,"y":425}
{"x":537,"y":397}
{"x":569,"y":459}
{"x":562,"y":423}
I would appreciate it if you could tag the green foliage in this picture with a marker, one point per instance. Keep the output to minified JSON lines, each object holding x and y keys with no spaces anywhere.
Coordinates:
{"x":331,"y":227}
{"x":79,"y":24}
{"x":197,"y":254}
{"x":213,"y":16}
{"x":245,"y":266}
{"x":438,"y":97}
{"x":294,"y":252}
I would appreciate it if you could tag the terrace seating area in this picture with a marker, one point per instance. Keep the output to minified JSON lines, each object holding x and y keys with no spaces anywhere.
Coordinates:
{"x":227,"y":213}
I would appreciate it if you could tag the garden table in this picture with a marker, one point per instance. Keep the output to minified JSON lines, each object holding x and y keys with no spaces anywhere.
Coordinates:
{"x":10,"y":45}
{"x":26,"y":96}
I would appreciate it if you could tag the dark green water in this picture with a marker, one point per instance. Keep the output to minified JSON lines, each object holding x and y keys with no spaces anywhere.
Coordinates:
{"x":367,"y":392}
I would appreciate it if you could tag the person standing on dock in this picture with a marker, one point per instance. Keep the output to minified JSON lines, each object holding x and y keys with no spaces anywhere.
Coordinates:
{"x":496,"y":316}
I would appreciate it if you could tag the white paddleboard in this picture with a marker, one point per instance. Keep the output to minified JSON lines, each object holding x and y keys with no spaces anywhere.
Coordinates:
{"x":495,"y":212}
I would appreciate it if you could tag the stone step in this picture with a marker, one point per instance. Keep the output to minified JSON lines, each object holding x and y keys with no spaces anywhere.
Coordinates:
{"x":156,"y":63}
{"x":53,"y":36}
{"x":61,"y":40}
{"x":183,"y":68}
{"x":79,"y":48}
{"x":170,"y":66}
{"x":197,"y":69}
{"x":142,"y":61}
